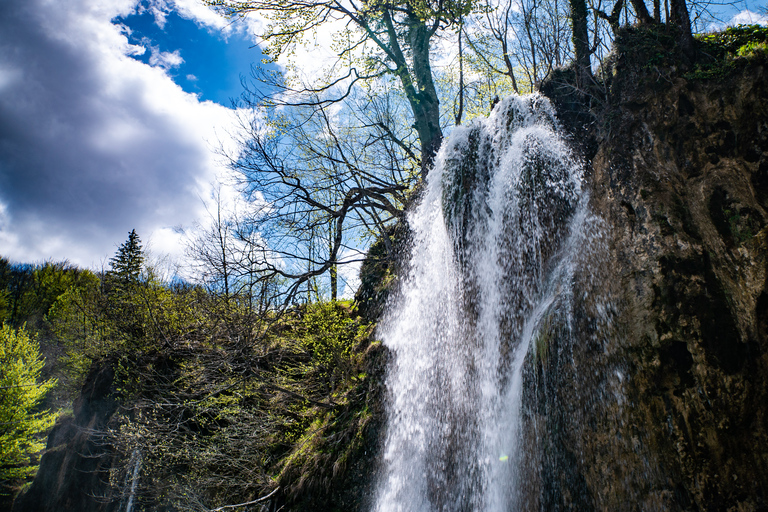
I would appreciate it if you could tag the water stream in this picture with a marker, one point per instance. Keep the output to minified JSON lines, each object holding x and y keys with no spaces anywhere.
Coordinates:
{"x":494,"y":243}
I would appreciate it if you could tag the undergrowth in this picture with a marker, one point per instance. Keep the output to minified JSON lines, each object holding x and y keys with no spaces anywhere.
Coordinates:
{"x":724,"y":52}
{"x":217,"y":421}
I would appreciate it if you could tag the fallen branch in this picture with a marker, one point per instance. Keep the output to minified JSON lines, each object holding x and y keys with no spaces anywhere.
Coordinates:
{"x":263,"y":498}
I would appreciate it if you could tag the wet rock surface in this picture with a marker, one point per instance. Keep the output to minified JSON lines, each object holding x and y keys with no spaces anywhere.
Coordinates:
{"x":660,"y":401}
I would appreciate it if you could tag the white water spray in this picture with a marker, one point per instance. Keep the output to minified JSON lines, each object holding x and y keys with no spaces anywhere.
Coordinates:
{"x":493,"y":243}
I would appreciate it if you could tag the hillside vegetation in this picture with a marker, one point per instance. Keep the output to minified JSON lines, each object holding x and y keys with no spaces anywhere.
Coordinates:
{"x":195,"y":399}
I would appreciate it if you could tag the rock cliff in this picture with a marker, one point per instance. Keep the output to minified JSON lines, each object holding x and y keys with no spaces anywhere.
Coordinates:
{"x":658,"y":398}
{"x":74,"y":470}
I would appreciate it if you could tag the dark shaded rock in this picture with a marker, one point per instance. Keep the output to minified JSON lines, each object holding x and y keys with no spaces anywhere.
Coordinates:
{"x":379,"y":272}
{"x":337,"y":471}
{"x":658,"y":399}
{"x":74,"y":470}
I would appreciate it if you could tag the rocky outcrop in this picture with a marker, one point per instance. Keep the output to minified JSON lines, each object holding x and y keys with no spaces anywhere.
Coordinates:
{"x":74,"y":469}
{"x":658,"y":398}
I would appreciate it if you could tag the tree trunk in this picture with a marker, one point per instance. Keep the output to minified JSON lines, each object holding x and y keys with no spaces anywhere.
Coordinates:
{"x":333,"y":269}
{"x":426,"y":110}
{"x":642,"y":11}
{"x":581,"y":42}
{"x":417,"y":82}
{"x":682,"y":20}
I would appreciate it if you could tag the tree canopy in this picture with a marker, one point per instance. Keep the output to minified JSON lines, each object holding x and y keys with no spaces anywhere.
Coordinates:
{"x":328,"y":156}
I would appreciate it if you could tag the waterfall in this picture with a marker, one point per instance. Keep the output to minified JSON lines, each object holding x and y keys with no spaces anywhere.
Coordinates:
{"x":494,"y":243}
{"x":133,"y":476}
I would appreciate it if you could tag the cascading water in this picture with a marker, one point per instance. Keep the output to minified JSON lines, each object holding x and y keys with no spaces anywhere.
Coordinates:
{"x":494,"y":240}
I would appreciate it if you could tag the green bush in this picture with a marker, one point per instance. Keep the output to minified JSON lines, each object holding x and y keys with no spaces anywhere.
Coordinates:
{"x":724,"y":51}
{"x":733,"y":40}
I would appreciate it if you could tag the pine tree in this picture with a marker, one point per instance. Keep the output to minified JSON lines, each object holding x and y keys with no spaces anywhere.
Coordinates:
{"x":21,"y":421}
{"x":128,"y":262}
{"x":123,"y":289}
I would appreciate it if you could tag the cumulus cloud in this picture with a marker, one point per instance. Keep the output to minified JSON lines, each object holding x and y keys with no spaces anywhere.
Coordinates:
{"x":165,"y":60}
{"x":745,"y":17}
{"x":94,"y":143}
{"x":748,"y":17}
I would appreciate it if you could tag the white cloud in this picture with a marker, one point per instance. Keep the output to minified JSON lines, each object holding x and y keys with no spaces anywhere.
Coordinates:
{"x":165,"y":60}
{"x":94,"y":143}
{"x":745,"y":17}
{"x":196,"y":10}
{"x":748,"y":17}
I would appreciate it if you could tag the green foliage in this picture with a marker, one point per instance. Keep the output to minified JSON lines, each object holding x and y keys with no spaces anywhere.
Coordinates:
{"x":21,"y":421}
{"x":27,"y":292}
{"x":4,"y":305}
{"x":753,"y":49}
{"x":127,"y":310}
{"x":729,"y":49}
{"x":218,"y":414}
{"x":5,"y":295}
{"x":95,"y":322}
{"x":330,"y":335}
{"x":733,"y":40}
{"x":214,"y":408}
{"x":80,"y":322}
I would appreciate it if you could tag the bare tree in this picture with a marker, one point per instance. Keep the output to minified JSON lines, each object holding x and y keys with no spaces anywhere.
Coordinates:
{"x":318,"y":190}
{"x":521,"y":39}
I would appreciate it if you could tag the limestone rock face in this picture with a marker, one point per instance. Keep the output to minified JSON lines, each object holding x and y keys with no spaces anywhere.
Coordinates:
{"x":660,"y":399}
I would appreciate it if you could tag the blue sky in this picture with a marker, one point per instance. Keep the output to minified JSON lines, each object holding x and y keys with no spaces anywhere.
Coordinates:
{"x":211,"y":62}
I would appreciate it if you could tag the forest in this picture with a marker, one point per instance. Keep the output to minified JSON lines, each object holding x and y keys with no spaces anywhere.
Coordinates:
{"x":259,"y":382}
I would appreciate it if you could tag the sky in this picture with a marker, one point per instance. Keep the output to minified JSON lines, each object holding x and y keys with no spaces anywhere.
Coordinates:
{"x":110,"y":115}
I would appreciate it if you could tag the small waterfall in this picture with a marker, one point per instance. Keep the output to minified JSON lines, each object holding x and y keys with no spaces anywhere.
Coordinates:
{"x":133,"y":476}
{"x":494,"y":244}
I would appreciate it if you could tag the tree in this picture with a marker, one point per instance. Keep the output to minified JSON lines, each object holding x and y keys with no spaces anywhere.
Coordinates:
{"x":581,"y":47}
{"x":521,"y":39}
{"x":80,"y":321}
{"x":28,"y":291}
{"x":21,"y":421}
{"x":226,"y":258}
{"x":5,"y":277}
{"x":216,"y":420}
{"x":384,"y":38}
{"x":128,"y":261}
{"x":314,"y":184}
{"x":681,"y":18}
{"x":329,"y":161}
{"x":102,"y":314}
{"x":122,"y":288}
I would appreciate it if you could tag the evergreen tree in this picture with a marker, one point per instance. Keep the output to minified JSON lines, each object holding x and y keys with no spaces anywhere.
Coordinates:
{"x":21,"y":421}
{"x":128,"y":262}
{"x":123,"y":289}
